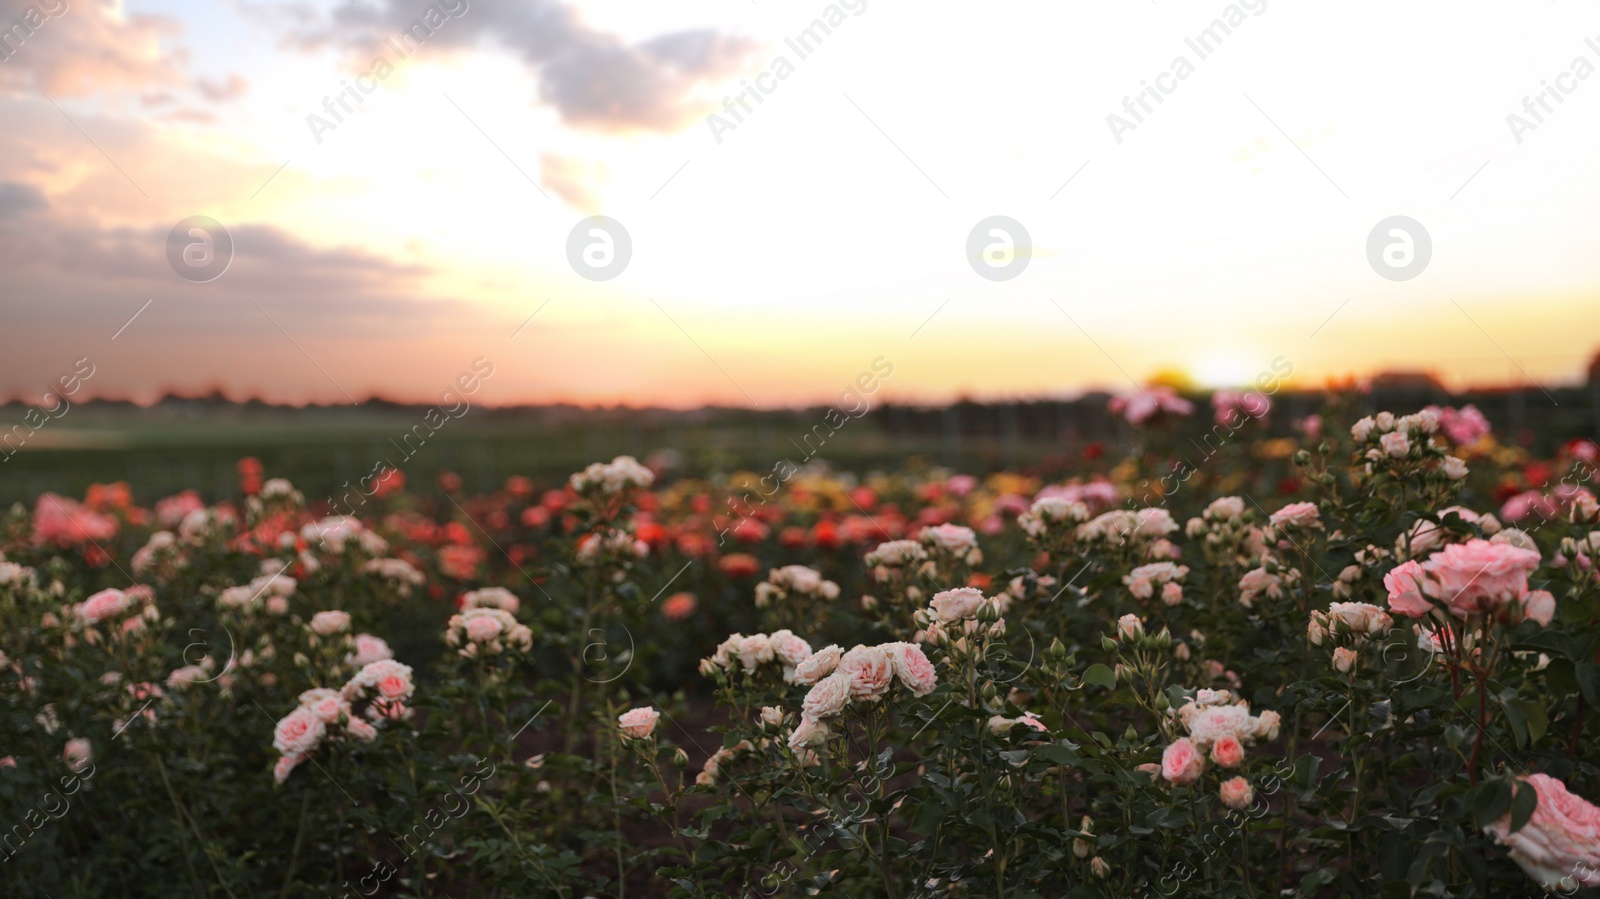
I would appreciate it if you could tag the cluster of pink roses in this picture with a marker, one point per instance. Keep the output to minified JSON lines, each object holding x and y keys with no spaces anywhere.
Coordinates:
{"x":1465,"y":426}
{"x":1219,"y":725}
{"x":753,"y":651}
{"x":486,"y":631}
{"x":954,"y":615}
{"x":863,"y":674}
{"x":303,"y":730}
{"x":952,"y":542}
{"x":1392,"y":440}
{"x":1052,"y":514}
{"x":1144,"y":581}
{"x":1472,"y":578}
{"x":794,"y":580}
{"x":126,"y":611}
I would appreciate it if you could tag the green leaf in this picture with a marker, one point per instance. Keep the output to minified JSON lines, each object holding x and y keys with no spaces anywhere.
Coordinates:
{"x":1100,"y":675}
{"x":1522,"y":806}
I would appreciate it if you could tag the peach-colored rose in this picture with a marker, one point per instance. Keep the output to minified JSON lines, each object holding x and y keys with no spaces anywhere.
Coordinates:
{"x":1237,"y":793}
{"x":1396,"y":444}
{"x":1182,"y":763}
{"x":1228,"y":752}
{"x":755,"y":650}
{"x":637,"y":724}
{"x":1559,"y":847}
{"x":1344,"y":659}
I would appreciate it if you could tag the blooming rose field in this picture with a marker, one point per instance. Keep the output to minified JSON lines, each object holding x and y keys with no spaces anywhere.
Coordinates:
{"x":1359,"y":661}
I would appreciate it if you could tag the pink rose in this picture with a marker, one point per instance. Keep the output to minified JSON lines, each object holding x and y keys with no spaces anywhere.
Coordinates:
{"x":1559,"y":847}
{"x":483,"y":630}
{"x":298,"y":732}
{"x":1395,"y":444}
{"x":1182,"y":763}
{"x":102,"y":605}
{"x":1540,"y":606}
{"x":789,"y":649}
{"x":827,"y":697}
{"x":1228,"y":752}
{"x":810,"y":732}
{"x":754,"y":650}
{"x":1478,"y":576}
{"x":78,"y":753}
{"x":1171,"y":593}
{"x":954,"y":605}
{"x":368,"y":649}
{"x":1405,"y":593}
{"x":1301,"y":515}
{"x":328,"y":623}
{"x":912,"y":667}
{"x":869,"y":671}
{"x":818,"y":665}
{"x":1344,"y":659}
{"x":637,"y":724}
{"x":286,"y":764}
{"x":1236,"y":793}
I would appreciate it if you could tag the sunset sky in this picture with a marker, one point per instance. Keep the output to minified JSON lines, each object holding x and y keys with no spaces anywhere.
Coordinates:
{"x":777,"y":253}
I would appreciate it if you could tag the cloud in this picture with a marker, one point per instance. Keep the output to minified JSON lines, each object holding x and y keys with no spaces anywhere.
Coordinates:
{"x":594,"y":79}
{"x":219,"y":91}
{"x":571,"y":180}
{"x":84,"y":47}
{"x":64,"y":271}
{"x":18,"y":199}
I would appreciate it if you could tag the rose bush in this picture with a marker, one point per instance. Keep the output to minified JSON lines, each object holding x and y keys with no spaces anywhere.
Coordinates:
{"x":1315,"y":666}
